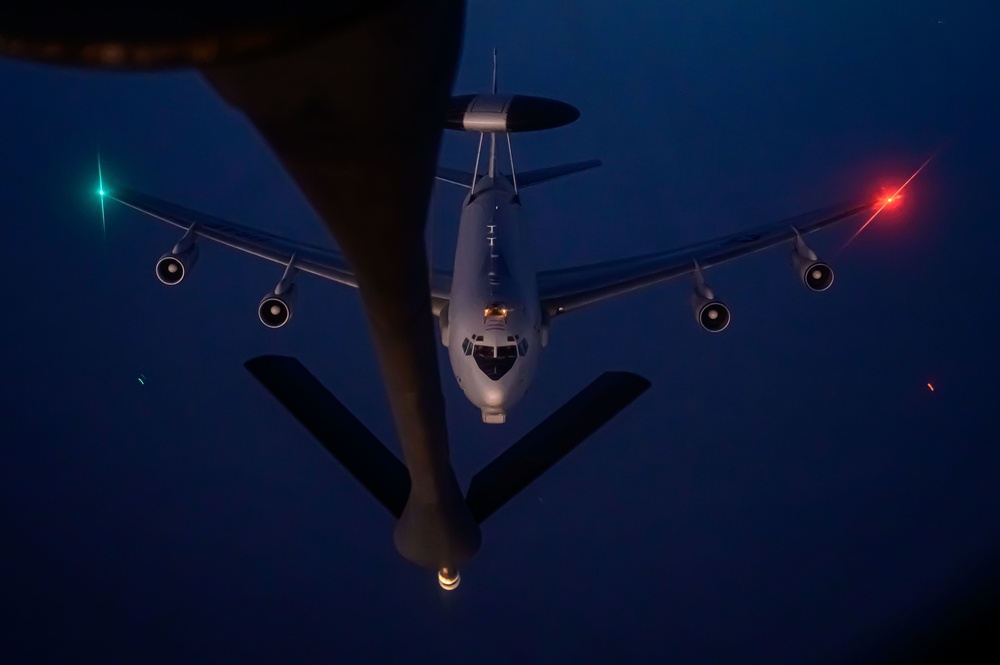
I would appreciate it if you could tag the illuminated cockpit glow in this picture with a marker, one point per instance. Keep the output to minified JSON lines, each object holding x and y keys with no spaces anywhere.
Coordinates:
{"x":495,"y":361}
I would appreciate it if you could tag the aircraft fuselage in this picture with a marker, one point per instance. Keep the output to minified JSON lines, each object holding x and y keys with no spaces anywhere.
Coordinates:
{"x":494,"y":319}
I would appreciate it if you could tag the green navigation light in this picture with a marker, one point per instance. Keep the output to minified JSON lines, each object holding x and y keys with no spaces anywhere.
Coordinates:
{"x":100,"y":191}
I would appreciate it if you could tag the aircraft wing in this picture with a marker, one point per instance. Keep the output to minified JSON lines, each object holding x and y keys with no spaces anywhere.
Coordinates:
{"x":567,"y":289}
{"x":314,"y":259}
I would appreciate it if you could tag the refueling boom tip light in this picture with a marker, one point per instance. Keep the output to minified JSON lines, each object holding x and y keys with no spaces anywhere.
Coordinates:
{"x":449,"y":579}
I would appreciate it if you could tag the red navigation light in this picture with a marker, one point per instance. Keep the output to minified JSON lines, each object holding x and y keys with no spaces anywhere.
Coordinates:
{"x":889,"y":198}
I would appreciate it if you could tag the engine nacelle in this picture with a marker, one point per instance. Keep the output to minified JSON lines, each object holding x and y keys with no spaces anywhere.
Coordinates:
{"x":814,"y":273}
{"x":710,"y":314}
{"x":817,"y":275}
{"x":174,"y":265}
{"x":275,"y":309}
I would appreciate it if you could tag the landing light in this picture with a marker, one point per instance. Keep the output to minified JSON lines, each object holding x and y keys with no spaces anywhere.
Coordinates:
{"x":495,"y":310}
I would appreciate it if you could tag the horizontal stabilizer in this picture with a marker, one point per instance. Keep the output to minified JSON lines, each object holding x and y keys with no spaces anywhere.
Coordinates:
{"x":454,"y":177}
{"x":529,"y":178}
{"x":343,"y":435}
{"x":500,"y":480}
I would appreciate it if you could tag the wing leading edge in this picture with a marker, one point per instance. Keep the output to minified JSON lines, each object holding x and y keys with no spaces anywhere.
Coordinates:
{"x":568,"y":289}
{"x":320,"y":261}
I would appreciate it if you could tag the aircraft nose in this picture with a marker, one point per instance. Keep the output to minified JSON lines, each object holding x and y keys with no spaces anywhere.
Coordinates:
{"x":493,"y":394}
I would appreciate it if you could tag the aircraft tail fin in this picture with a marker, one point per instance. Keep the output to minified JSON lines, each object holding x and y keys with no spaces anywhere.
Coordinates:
{"x":538,"y":176}
{"x":336,"y":428}
{"x":541,"y":448}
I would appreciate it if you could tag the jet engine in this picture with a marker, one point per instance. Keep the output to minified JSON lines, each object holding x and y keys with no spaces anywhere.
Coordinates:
{"x":275,"y":308}
{"x":174,"y":265}
{"x":710,"y":314}
{"x":815,"y":274}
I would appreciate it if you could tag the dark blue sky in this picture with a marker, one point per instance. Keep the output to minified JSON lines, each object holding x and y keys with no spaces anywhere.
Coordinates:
{"x":783,"y":493}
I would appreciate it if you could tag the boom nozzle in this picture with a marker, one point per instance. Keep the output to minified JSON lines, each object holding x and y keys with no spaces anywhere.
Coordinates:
{"x":448,"y":578}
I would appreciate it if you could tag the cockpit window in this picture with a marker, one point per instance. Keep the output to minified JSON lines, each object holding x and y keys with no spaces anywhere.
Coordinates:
{"x":508,"y":351}
{"x":494,"y":362}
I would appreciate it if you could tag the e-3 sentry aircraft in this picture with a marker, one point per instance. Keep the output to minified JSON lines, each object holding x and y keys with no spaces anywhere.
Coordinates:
{"x":495,"y":311}
{"x":494,"y":308}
